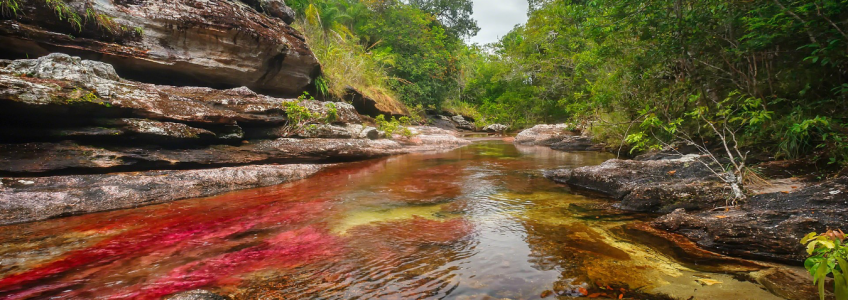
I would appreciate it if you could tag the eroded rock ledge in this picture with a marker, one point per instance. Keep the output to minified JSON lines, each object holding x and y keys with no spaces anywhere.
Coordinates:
{"x":66,"y":122}
{"x":33,"y":199}
{"x":215,"y":43}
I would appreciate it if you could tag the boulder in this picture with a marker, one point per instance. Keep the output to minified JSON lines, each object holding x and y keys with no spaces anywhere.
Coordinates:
{"x":496,"y":128}
{"x":461,"y":123}
{"x":544,"y":135}
{"x":650,"y":186}
{"x":767,"y":226}
{"x":214,"y":43}
{"x":363,"y":132}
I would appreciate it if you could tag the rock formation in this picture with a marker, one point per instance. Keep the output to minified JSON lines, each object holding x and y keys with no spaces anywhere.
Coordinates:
{"x":70,"y":121}
{"x":215,"y":43}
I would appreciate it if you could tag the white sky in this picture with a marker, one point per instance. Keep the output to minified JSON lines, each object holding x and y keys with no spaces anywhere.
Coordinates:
{"x":497,"y":17}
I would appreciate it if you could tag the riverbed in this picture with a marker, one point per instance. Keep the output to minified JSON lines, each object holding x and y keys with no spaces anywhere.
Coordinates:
{"x":479,"y":222}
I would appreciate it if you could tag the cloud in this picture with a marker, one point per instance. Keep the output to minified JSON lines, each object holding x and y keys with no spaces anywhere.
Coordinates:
{"x":497,"y":17}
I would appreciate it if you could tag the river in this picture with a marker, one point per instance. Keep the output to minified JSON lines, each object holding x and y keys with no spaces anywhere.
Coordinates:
{"x":480,"y":222}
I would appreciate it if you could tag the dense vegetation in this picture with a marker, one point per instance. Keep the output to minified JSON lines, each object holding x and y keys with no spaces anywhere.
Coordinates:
{"x":644,"y":71}
{"x":637,"y":72}
{"x":388,"y":50}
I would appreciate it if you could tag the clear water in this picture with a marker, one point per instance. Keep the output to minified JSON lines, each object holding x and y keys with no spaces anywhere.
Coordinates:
{"x":474,"y":223}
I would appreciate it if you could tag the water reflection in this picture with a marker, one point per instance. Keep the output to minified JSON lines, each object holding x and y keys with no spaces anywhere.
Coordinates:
{"x":476,"y":223}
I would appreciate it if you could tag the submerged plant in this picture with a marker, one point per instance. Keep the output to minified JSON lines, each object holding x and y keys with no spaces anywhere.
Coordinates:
{"x":828,"y":255}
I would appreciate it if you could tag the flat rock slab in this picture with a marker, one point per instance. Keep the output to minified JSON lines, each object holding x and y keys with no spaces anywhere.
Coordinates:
{"x":767,"y":226}
{"x":650,"y":186}
{"x":33,"y":199}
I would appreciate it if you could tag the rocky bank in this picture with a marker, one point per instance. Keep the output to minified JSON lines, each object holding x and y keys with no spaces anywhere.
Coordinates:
{"x":692,"y":202}
{"x":78,"y":138}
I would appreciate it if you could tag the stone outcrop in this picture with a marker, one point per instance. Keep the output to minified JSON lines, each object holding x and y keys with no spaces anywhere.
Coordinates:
{"x":77,"y":138}
{"x":651,"y":185}
{"x":448,"y":121}
{"x":496,"y":128}
{"x":767,"y":226}
{"x":545,"y":135}
{"x":215,"y":43}
{"x":84,"y":93}
{"x":32,"y":199}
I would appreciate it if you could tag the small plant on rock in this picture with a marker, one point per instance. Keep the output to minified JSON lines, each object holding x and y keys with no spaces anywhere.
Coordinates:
{"x":828,"y":255}
{"x":393,"y":126}
{"x":300,"y":117}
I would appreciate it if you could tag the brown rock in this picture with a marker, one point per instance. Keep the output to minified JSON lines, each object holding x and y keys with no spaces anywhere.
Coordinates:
{"x":767,"y":226}
{"x":215,"y":43}
{"x":649,"y":186}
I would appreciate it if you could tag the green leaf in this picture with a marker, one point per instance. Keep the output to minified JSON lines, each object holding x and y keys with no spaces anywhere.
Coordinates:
{"x":811,"y":247}
{"x":808,"y":237}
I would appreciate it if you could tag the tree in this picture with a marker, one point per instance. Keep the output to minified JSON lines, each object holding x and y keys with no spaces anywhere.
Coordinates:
{"x":455,"y":15}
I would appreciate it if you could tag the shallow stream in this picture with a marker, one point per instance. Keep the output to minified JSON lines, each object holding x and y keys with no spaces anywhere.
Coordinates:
{"x":474,"y":223}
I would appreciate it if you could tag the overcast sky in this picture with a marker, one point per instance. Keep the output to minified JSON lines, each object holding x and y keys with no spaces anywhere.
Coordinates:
{"x":497,"y":17}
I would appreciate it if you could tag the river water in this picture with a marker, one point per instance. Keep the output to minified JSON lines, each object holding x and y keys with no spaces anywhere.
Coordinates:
{"x":478,"y":222}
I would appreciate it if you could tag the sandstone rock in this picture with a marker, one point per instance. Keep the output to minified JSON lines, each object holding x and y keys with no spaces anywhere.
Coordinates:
{"x":51,"y":158}
{"x":216,"y":43}
{"x":60,"y":85}
{"x":48,"y":197}
{"x":544,"y":135}
{"x":163,"y":129}
{"x":767,"y":226}
{"x":650,"y":186}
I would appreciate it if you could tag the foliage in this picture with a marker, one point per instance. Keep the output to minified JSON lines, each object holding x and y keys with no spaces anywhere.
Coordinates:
{"x":455,"y":15}
{"x":774,"y":69}
{"x":388,"y":49}
{"x":299,"y":116}
{"x":393,"y":126}
{"x":828,"y":255}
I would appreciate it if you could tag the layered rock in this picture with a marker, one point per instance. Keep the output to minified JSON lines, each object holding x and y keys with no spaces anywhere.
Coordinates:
{"x":216,"y":43}
{"x":32,"y":199}
{"x":652,"y":185}
{"x":767,"y":226}
{"x":66,"y":91}
{"x":66,"y":122}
